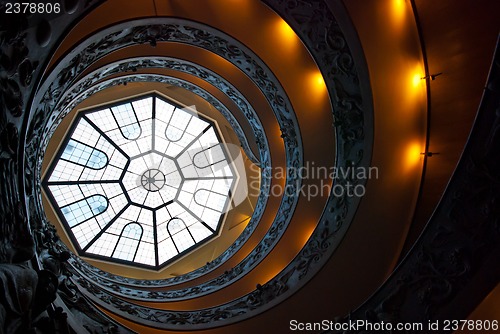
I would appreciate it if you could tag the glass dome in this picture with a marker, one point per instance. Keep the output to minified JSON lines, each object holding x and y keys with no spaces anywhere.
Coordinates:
{"x":140,"y":182}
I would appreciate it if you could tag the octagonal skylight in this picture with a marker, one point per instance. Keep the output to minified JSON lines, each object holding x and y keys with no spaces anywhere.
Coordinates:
{"x":140,"y":182}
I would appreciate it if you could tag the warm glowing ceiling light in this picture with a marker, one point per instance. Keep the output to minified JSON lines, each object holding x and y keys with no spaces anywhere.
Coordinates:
{"x":417,"y":79}
{"x":414,"y":83}
{"x":286,"y":31}
{"x":285,"y":41}
{"x":317,"y":81}
{"x":398,"y":9}
{"x":413,"y":155}
{"x":315,"y":88}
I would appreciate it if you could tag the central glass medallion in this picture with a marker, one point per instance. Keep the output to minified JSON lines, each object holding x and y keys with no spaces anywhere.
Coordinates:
{"x":153,"y":180}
